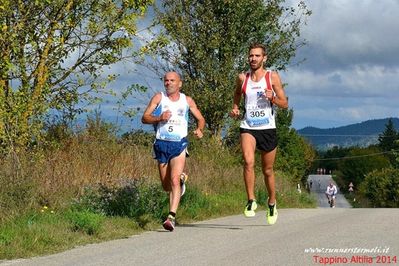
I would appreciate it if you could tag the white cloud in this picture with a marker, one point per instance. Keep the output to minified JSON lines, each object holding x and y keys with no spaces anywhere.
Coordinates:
{"x":357,"y":31}
{"x":351,"y":72}
{"x":357,"y":81}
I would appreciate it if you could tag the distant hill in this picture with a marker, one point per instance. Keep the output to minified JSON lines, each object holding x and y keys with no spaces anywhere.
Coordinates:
{"x":361,"y":134}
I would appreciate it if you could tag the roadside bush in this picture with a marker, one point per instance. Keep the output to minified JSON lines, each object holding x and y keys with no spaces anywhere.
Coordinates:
{"x":139,"y":137}
{"x":132,"y":198}
{"x":85,"y":221}
{"x":382,"y":187}
{"x":194,"y":202}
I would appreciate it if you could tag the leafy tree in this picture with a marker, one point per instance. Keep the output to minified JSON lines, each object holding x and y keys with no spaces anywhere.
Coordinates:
{"x":207,"y":40}
{"x":52,"y":56}
{"x":382,"y":187}
{"x":388,"y":140}
{"x":330,"y":158}
{"x":360,"y":162}
{"x":295,"y":153}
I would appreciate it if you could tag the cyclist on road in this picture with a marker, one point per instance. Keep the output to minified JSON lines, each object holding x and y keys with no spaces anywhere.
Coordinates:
{"x":330,"y":193}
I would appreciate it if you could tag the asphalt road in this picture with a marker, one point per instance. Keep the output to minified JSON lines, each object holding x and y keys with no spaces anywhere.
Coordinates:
{"x":300,"y":237}
{"x":319,"y":187}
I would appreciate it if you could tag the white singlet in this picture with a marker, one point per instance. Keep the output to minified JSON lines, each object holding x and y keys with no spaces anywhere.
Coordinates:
{"x":259,"y":113}
{"x":177,"y":126}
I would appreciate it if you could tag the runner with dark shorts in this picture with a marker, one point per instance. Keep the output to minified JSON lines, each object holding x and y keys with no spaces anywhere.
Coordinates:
{"x":262,"y":91}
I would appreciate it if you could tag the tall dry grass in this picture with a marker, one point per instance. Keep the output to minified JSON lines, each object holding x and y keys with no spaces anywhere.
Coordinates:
{"x":54,"y":177}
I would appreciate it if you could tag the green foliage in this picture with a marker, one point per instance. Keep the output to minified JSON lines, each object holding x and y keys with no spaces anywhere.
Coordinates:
{"x":37,"y":233}
{"x":334,"y":154}
{"x":389,"y":141}
{"x":132,"y":199}
{"x":356,"y":168}
{"x":85,"y":221}
{"x":295,"y":154}
{"x":382,"y":187}
{"x":208,"y":42}
{"x":139,"y":137}
{"x":52,"y":57}
{"x":194,"y":203}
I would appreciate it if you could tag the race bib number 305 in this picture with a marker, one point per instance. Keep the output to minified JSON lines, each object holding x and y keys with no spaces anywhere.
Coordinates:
{"x":257,"y":117}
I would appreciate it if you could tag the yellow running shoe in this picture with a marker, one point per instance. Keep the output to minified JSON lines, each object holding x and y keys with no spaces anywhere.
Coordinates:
{"x":272,"y":214}
{"x":249,"y":210}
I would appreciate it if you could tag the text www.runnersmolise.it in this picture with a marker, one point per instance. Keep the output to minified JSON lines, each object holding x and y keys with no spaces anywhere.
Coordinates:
{"x":354,"y":255}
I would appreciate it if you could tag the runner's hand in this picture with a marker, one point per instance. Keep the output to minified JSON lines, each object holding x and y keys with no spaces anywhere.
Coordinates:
{"x":234,"y":113}
{"x":165,"y":116}
{"x":198,"y":133}
{"x":269,"y":95}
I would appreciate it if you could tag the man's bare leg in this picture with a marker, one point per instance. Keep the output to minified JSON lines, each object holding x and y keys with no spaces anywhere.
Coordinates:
{"x":248,"y":145}
{"x":176,"y":168}
{"x":268,"y":173}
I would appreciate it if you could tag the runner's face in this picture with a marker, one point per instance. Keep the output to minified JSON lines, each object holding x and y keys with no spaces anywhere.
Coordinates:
{"x":256,"y":58}
{"x":172,"y":82}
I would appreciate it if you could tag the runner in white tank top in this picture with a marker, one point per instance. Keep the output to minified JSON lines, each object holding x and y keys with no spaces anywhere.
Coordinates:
{"x":258,"y":126}
{"x":259,"y":113}
{"x":171,"y":120}
{"x":175,"y":128}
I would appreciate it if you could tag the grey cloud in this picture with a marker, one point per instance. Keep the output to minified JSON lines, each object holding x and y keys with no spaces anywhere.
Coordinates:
{"x":343,"y":33}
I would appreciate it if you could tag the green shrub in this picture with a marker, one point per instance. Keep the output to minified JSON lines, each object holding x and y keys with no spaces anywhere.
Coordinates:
{"x":194,"y":202}
{"x":6,"y":236}
{"x":381,"y":187}
{"x":133,"y":198}
{"x":85,"y":221}
{"x":139,"y":137}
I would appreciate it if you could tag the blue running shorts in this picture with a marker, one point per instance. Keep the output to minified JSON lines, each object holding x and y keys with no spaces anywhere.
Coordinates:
{"x":165,"y":150}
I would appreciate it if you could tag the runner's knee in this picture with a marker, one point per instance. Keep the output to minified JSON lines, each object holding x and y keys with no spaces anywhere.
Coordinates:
{"x":249,"y":163}
{"x":268,"y":172}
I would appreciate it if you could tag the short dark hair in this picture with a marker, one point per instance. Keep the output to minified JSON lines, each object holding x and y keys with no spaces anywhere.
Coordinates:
{"x":258,"y":45}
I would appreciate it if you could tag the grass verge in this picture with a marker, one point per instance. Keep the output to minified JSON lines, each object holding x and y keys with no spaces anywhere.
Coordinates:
{"x":98,"y":191}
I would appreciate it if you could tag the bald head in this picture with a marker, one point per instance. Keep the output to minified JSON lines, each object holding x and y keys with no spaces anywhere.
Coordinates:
{"x":172,"y":82}
{"x":172,"y":75}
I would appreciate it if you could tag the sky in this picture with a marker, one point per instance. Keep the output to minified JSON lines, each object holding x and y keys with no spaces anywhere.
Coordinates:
{"x":351,"y":68}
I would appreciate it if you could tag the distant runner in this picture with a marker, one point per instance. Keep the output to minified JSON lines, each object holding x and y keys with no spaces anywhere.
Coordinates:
{"x":330,"y":193}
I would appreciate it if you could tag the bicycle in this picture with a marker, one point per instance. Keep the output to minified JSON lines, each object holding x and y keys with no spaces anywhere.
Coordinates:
{"x":331,"y":200}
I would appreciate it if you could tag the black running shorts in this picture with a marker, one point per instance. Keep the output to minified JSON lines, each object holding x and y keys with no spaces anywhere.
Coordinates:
{"x":266,"y":139}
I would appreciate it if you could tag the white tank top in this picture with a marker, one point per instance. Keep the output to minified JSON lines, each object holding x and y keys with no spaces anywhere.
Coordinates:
{"x":177,"y":126}
{"x":259,"y":111}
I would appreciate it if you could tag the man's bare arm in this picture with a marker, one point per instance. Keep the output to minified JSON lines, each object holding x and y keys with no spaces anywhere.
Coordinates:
{"x":147,"y":117}
{"x":235,"y":112}
{"x":280,"y":100}
{"x":198,"y":116}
